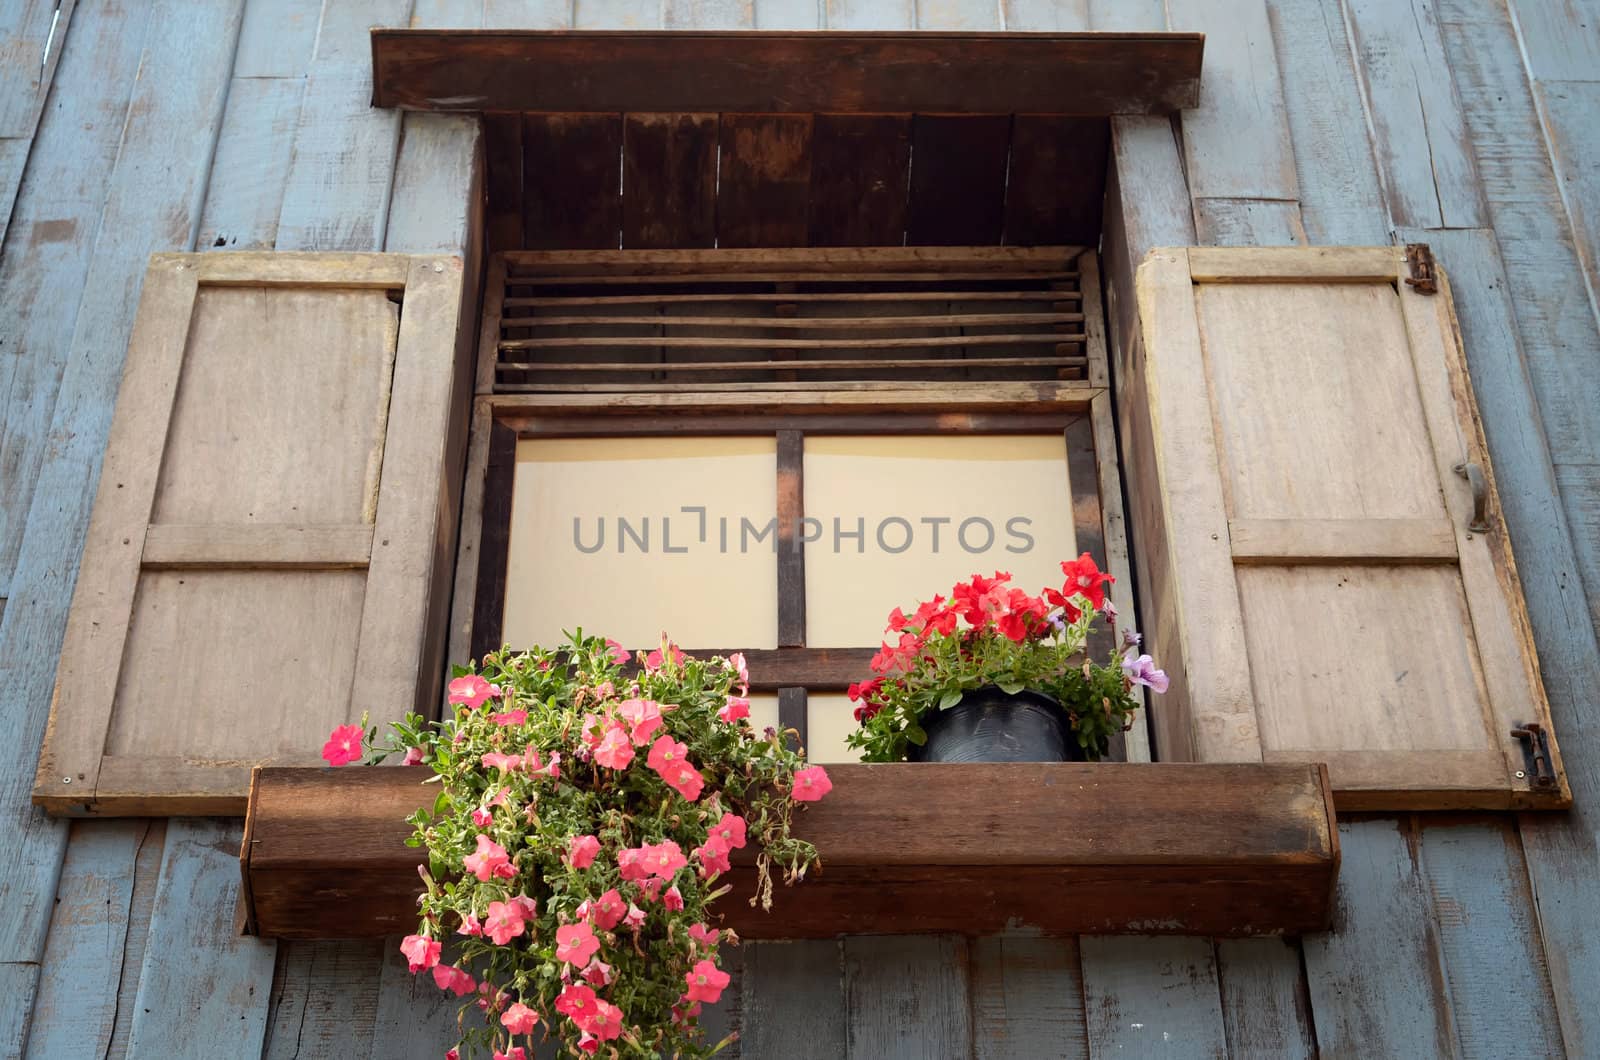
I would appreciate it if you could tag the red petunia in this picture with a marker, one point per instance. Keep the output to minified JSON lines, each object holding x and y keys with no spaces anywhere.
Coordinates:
{"x":343,"y":746}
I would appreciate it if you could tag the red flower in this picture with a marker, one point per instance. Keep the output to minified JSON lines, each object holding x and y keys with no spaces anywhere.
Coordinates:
{"x":897,"y":621}
{"x":343,"y":746}
{"x":1085,"y":579}
{"x":664,"y":859}
{"x":606,"y":1023}
{"x":811,"y":784}
{"x":982,"y":598}
{"x":1026,"y":615}
{"x":577,"y":1003}
{"x":706,"y":983}
{"x":504,"y":922}
{"x":902,"y":656}
{"x":705,"y":936}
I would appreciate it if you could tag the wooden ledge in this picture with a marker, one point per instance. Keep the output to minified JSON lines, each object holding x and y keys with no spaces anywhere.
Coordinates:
{"x":1229,"y":850}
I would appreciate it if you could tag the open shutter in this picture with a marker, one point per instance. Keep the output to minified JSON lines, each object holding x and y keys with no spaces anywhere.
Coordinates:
{"x":1328,"y":576}
{"x":269,"y":531}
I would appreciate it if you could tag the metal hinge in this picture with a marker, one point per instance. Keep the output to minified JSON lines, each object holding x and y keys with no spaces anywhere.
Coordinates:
{"x":1536,"y":753}
{"x":1419,"y":263}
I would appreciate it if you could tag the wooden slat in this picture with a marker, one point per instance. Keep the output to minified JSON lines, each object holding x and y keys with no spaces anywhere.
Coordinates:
{"x":1141,"y":994}
{"x":789,"y":985}
{"x":1264,"y":1004}
{"x":860,"y":179}
{"x":178,"y":547}
{"x":804,"y":323}
{"x":669,"y":180}
{"x":1413,"y":780}
{"x":878,"y":73}
{"x":572,"y":180}
{"x":284,"y":268}
{"x":1027,"y":999}
{"x":755,"y":342}
{"x":1297,"y":265}
{"x":958,"y":179}
{"x":763,"y":180}
{"x":502,"y":155}
{"x":934,"y":264}
{"x":1057,"y":179}
{"x":820,"y":274}
{"x":791,"y":551}
{"x":831,"y":364}
{"x":324,"y":999}
{"x":489,"y":575}
{"x":1042,"y":397}
{"x":1284,"y":541}
{"x":842,"y":297}
{"x":906,"y":997}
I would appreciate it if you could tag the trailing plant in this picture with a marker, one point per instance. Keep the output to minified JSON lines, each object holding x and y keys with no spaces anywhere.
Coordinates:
{"x":988,"y":633}
{"x":585,"y":817}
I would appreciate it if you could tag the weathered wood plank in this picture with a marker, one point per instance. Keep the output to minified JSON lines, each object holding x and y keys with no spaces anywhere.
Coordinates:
{"x":505,"y":14}
{"x":1027,"y":999}
{"x":1570,"y":109}
{"x":958,"y":179}
{"x":708,"y":14}
{"x":32,"y":36}
{"x":502,"y":159}
{"x":1046,"y":16}
{"x":669,"y":180}
{"x":277,"y":38}
{"x":959,"y":15}
{"x":1265,"y":1007}
{"x":1382,"y":925}
{"x":325,"y":997}
{"x":1056,"y":180}
{"x":860,"y":173}
{"x":1421,"y":139}
{"x":252,"y":163}
{"x":1559,"y":39}
{"x":18,"y":980}
{"x":199,"y":985}
{"x":146,"y":877}
{"x":1248,"y":222}
{"x":878,"y":15}
{"x":414,"y":1019}
{"x":572,"y":181}
{"x":1144,"y":996}
{"x":789,"y":985}
{"x":1494,"y":962}
{"x":763,"y":180}
{"x":906,"y":997}
{"x":725,"y":1019}
{"x":434,"y":178}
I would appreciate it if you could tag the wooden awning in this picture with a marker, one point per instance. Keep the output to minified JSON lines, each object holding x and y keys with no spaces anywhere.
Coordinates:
{"x":782,"y":73}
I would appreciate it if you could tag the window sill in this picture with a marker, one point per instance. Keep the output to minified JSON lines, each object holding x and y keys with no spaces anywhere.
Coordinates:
{"x":1228,"y":850}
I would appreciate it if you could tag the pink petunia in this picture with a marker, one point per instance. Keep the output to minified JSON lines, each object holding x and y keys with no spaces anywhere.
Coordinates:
{"x":530,"y":908}
{"x":705,"y":936}
{"x":482,"y":817}
{"x":509,"y":763}
{"x":713,"y":857}
{"x":634,"y":920}
{"x":615,"y":750}
{"x":682,"y":1013}
{"x":421,"y":952}
{"x":588,"y":1043}
{"x":535,"y":768}
{"x":673,"y":899}
{"x":666,"y":754}
{"x":735,"y":708}
{"x":472,"y":690}
{"x":736,"y":660}
{"x":606,"y":1023}
{"x":470,"y":925}
{"x":343,"y":746}
{"x":590,"y":729}
{"x":575,"y":944}
{"x":664,"y":859}
{"x":505,"y":921}
{"x":519,"y":1019}
{"x":489,"y":861}
{"x":510,"y":717}
{"x":413,"y":757}
{"x":619,"y":654}
{"x":631,"y":863}
{"x":449,"y":977}
{"x":452,"y":1054}
{"x":655,"y":659}
{"x":516,"y":1053}
{"x":581,"y":851}
{"x":706,"y":983}
{"x":685,"y":780}
{"x":606,"y":911}
{"x":597,"y":972}
{"x":650,"y":890}
{"x":811,"y":784}
{"x":643,"y":716}
{"x":576,"y":1003}
{"x":731,"y":830}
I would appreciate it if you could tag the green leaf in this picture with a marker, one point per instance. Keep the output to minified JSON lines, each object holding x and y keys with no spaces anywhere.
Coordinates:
{"x":1010,"y":688}
{"x":441,"y":803}
{"x":916,"y":735}
{"x":950,"y":699}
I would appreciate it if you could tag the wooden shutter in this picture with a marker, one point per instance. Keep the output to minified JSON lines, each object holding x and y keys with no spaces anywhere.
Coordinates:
{"x":270,"y":528}
{"x":1304,"y":446}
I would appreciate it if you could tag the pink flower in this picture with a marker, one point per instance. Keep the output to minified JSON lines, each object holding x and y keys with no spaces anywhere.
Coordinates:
{"x":581,"y":851}
{"x":670,"y":760}
{"x":673,"y":899}
{"x":1142,"y":671}
{"x":735,"y":708}
{"x":635,"y":918}
{"x":575,"y":944}
{"x":706,"y":983}
{"x":685,"y":780}
{"x":519,"y":1019}
{"x":730,"y":830}
{"x":343,"y":746}
{"x":509,"y":763}
{"x":470,"y":925}
{"x":588,"y":1043}
{"x":654,"y":660}
{"x":449,"y":977}
{"x":576,"y":1003}
{"x":607,"y":910}
{"x":516,"y":1053}
{"x":631,"y":863}
{"x":452,"y":1054}
{"x":736,"y":660}
{"x":606,"y":1023}
{"x":489,"y":861}
{"x":413,"y":757}
{"x":615,"y":750}
{"x":482,"y":817}
{"x":590,"y":730}
{"x":598,"y":972}
{"x":619,"y":654}
{"x":682,"y":1012}
{"x":510,"y":717}
{"x":650,"y":889}
{"x":713,"y":857}
{"x":535,"y":768}
{"x":472,"y":690}
{"x":504,"y":922}
{"x":705,"y":936}
{"x":811,"y":784}
{"x":644,"y":715}
{"x":664,"y":859}
{"x":530,"y":908}
{"x":420,"y":951}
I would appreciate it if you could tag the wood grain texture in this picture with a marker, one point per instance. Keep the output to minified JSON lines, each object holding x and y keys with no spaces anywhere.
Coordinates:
{"x":214,"y":993}
{"x":789,"y":985}
{"x":1056,"y":179}
{"x":435,"y":181}
{"x":1383,"y":922}
{"x":414,"y":1019}
{"x":146,"y":879}
{"x":860,"y":173}
{"x":324,"y":999}
{"x":1559,"y":39}
{"x":572,"y":180}
{"x":906,"y":997}
{"x":1145,"y":996}
{"x":669,"y":173}
{"x":1265,"y":1007}
{"x":763,"y":180}
{"x":958,"y":180}
{"x":932,"y":73}
{"x":1248,"y":222}
{"x":1044,"y":16}
{"x":1027,"y":999}
{"x":32,"y":36}
{"x":1569,"y":112}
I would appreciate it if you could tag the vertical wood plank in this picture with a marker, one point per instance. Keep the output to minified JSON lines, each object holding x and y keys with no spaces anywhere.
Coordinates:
{"x":1570,"y":109}
{"x":414,"y":1019}
{"x":18,"y":980}
{"x":1265,"y":1006}
{"x":860,"y":172}
{"x":1147,"y":206}
{"x":32,"y":35}
{"x":1382,"y":924}
{"x":791,"y":547}
{"x":1057,"y":180}
{"x":789,"y":985}
{"x":571,"y":181}
{"x":146,"y":878}
{"x":1027,"y":999}
{"x":324,"y":999}
{"x":964,"y":16}
{"x":763,"y":180}
{"x":200,"y":988}
{"x":788,"y":14}
{"x":906,"y":997}
{"x":1421,"y":140}
{"x":708,"y":14}
{"x":277,"y":39}
{"x":725,"y":1019}
{"x":523,"y":14}
{"x":502,"y":150}
{"x":616,"y":14}
{"x":870,"y":14}
{"x":958,"y":179}
{"x":435,"y":184}
{"x":1149,"y":996}
{"x":252,"y":163}
{"x":1046,"y":16}
{"x":669,"y":180}
{"x":1559,"y":38}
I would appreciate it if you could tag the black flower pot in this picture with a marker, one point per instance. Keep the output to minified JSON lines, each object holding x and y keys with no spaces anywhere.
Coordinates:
{"x":990,"y":725}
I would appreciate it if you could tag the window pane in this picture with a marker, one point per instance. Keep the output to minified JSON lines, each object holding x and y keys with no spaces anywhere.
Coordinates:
{"x":600,"y":539}
{"x":930,"y":511}
{"x":829,"y":719}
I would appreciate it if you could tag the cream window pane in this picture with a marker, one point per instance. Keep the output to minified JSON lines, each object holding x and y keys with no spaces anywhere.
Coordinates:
{"x":830,"y":717}
{"x":600,"y":539}
{"x":763,"y":711}
{"x":932,"y":510}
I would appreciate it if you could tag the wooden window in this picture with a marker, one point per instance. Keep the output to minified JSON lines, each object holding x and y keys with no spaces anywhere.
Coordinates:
{"x":767,"y":451}
{"x":1326,"y":572}
{"x":264,"y":558}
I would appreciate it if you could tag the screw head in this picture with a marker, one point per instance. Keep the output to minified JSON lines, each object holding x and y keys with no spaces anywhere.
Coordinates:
{"x":66,"y":780}
{"x":1521,"y":775}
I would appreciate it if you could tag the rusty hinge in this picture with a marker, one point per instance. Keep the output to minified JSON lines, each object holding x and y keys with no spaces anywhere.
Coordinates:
{"x":1536,"y":752}
{"x":1419,"y":263}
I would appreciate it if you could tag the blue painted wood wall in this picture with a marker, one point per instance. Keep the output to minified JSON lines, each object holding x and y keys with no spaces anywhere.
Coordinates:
{"x":132,"y":127}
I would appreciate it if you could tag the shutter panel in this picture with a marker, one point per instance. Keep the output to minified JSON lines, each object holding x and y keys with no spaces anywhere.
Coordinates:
{"x":269,"y":530}
{"x":1295,"y":420}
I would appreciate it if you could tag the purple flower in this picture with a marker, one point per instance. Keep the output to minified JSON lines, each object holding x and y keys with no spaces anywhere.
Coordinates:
{"x":1142,"y":671}
{"x":1130,"y":639}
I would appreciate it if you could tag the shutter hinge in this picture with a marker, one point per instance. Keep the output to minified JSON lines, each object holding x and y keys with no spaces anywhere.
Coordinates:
{"x":1536,"y":752}
{"x":1419,"y":263}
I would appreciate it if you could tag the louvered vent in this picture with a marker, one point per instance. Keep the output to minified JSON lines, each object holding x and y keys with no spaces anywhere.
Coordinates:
{"x":795,"y":320}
